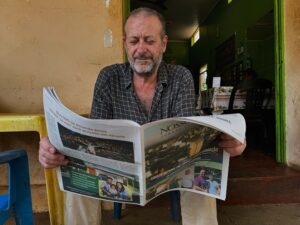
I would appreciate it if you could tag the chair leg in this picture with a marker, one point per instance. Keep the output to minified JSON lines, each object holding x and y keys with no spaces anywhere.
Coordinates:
{"x":23,"y":207}
{"x":175,"y":206}
{"x":23,"y":212}
{"x":117,"y":210}
{"x":25,"y":219}
{"x":4,"y":216}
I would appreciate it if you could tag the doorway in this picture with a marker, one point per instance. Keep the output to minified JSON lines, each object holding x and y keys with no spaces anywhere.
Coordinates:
{"x":244,"y":39}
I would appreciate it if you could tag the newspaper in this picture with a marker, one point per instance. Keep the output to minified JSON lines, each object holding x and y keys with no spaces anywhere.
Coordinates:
{"x":122,"y":161}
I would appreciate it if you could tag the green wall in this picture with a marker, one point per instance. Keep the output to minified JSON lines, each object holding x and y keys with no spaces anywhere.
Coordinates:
{"x":234,"y":19}
{"x":178,"y":52}
{"x":263,"y":55}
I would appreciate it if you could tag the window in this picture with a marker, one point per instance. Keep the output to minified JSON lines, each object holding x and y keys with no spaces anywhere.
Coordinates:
{"x":202,"y":78}
{"x":195,"y":36}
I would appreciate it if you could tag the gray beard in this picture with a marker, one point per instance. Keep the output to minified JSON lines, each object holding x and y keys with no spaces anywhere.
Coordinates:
{"x":145,"y":72}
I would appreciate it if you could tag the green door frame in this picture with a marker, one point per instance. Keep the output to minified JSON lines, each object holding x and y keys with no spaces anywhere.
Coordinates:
{"x":126,"y":11}
{"x":280,"y":96}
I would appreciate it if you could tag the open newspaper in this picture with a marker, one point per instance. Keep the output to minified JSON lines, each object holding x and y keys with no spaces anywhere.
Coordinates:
{"x":120,"y":160}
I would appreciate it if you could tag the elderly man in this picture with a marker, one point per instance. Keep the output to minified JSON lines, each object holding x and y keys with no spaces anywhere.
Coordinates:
{"x":144,"y":90}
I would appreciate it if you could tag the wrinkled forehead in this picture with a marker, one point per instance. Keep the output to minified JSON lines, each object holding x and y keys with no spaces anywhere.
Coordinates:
{"x":142,"y":25}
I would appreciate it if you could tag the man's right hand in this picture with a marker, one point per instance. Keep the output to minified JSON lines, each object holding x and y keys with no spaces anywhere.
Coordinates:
{"x":49,"y":157}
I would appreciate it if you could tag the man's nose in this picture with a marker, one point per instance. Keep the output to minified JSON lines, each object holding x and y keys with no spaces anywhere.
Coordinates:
{"x":141,"y":46}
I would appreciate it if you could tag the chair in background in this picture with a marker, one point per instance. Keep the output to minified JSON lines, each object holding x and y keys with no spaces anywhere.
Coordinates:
{"x":117,"y":213}
{"x":258,"y":95}
{"x":17,"y":201}
{"x":175,"y":207}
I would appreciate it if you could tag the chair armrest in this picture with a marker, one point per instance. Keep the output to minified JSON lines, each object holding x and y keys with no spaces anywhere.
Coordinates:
{"x":10,"y":155}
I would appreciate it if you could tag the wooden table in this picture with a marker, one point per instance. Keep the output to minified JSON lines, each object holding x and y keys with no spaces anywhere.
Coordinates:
{"x":216,"y":100}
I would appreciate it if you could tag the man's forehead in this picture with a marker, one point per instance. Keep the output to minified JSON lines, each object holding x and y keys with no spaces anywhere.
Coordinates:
{"x":142,"y":16}
{"x":142,"y":23}
{"x":138,"y":35}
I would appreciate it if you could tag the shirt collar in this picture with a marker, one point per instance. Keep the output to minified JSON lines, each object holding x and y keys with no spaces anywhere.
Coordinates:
{"x":127,"y":76}
{"x":162,"y":74}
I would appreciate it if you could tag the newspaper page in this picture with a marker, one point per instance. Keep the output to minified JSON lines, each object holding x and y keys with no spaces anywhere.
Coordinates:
{"x":183,"y":153}
{"x":104,"y":155}
{"x":119,"y":160}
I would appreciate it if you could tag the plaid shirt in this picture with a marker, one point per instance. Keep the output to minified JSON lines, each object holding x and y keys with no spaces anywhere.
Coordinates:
{"x":114,"y":96}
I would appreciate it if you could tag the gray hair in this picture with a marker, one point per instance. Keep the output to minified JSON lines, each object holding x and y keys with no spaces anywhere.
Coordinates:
{"x":148,"y":12}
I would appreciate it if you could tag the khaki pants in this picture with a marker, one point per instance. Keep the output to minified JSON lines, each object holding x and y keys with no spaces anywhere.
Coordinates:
{"x":198,"y":209}
{"x":81,"y":210}
{"x":195,"y":210}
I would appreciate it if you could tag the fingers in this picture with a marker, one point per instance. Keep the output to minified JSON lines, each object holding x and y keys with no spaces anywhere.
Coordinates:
{"x":49,"y":157}
{"x":231,"y":145}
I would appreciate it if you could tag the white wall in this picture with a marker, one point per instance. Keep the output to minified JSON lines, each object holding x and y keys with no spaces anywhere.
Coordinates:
{"x":292,"y":73}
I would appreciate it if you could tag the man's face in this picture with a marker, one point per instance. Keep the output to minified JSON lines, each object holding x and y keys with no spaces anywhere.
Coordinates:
{"x":202,"y":173}
{"x":144,"y":44}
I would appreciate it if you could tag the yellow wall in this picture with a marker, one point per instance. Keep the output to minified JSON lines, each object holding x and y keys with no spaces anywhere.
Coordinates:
{"x":292,"y":72}
{"x":52,"y":43}
{"x":55,"y":43}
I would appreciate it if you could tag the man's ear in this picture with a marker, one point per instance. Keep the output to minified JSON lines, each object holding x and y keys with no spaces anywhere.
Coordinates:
{"x":165,"y":41}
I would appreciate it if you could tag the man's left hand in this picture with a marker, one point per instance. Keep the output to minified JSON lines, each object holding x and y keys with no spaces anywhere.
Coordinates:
{"x":231,"y":145}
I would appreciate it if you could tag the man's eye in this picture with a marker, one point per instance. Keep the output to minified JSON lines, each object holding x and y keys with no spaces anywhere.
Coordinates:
{"x":133,"y":42}
{"x":150,"y":42}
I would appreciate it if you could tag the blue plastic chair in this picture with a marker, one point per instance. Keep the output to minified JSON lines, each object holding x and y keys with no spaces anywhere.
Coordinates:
{"x":17,"y":201}
{"x":175,"y":207}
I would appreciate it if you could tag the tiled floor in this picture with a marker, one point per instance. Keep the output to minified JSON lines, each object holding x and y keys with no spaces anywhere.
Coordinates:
{"x":283,"y":214}
{"x":275,"y":214}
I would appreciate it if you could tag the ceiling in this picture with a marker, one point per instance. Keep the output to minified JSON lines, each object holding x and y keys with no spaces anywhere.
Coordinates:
{"x":182,"y":16}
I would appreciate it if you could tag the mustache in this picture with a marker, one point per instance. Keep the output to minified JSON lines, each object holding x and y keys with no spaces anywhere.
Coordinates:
{"x":142,"y":56}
